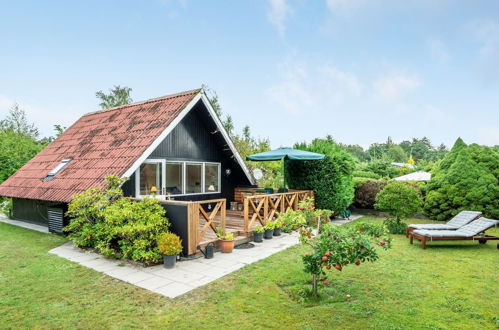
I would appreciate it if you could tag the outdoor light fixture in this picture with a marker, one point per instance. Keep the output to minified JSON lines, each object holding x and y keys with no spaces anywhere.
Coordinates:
{"x":228,"y":172}
{"x":211,"y":187}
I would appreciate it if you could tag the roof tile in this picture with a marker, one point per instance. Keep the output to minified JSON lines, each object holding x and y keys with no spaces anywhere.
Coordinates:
{"x":100,"y":143}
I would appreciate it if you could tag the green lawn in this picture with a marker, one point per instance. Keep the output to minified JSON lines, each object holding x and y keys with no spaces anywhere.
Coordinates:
{"x":446,"y":286}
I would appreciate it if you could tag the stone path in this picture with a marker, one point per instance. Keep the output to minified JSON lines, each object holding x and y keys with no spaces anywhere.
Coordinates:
{"x":342,"y":221}
{"x":187,"y":275}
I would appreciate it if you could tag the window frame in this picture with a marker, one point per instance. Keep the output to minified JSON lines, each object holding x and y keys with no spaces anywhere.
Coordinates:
{"x":184,"y":178}
{"x":163,"y":179}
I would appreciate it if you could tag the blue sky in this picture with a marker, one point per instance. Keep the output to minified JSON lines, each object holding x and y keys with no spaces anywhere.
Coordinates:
{"x":291,"y":69}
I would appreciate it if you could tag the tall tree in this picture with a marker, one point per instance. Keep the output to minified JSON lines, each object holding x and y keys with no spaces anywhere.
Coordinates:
{"x":17,"y":122}
{"x":117,"y":96}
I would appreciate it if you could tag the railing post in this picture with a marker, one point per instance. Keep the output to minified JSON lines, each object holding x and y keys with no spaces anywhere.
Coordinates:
{"x":193,"y":227}
{"x":295,"y":202}
{"x":223,"y":214}
{"x":246,"y":213}
{"x":266,"y":209}
{"x":283,"y":202}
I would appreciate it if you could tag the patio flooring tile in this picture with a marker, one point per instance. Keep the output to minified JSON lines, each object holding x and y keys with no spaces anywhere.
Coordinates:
{"x":187,"y":275}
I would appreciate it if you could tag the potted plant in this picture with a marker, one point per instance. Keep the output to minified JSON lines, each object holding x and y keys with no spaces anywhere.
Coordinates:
{"x":277,"y":228}
{"x":258,"y":234}
{"x":226,"y":240}
{"x":269,"y":230}
{"x":169,"y":245}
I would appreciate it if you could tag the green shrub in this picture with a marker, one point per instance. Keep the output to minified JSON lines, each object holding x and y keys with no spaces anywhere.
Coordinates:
{"x":169,"y":244}
{"x":116,"y":226}
{"x":335,"y":247}
{"x":466,"y":179}
{"x":366,"y":191}
{"x":291,"y":220}
{"x":6,"y":206}
{"x":400,"y":200}
{"x":259,"y":229}
{"x":366,"y":174}
{"x":330,"y":178}
{"x":223,"y":235}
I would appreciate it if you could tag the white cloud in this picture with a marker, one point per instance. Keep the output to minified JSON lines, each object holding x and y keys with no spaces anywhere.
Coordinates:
{"x":393,"y":87}
{"x":277,"y":14}
{"x":438,"y":50}
{"x":303,"y":87}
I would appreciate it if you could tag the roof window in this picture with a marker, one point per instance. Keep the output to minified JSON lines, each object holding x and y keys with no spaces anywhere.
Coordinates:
{"x":57,"y":169}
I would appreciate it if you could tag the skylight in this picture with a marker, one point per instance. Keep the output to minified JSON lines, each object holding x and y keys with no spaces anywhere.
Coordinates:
{"x":59,"y":167}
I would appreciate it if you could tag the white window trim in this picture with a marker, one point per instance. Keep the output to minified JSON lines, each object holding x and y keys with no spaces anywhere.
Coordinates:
{"x":163,"y":179}
{"x":184,"y":178}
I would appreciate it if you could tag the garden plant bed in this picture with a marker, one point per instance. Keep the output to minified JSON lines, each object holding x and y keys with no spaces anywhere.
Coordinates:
{"x":448,"y":285}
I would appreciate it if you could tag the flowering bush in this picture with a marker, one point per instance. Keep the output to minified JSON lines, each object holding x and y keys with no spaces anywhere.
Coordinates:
{"x":334,"y":247}
{"x":116,"y":226}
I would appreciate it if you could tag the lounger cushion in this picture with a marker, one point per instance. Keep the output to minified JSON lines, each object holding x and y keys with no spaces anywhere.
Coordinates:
{"x":470,"y":230}
{"x":459,"y":220}
{"x":433,"y":226}
{"x":478,"y":226}
{"x":463,"y":218}
{"x":440,"y":233}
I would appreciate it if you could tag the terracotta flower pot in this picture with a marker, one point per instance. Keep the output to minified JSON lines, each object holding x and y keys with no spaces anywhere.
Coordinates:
{"x":227,"y":246}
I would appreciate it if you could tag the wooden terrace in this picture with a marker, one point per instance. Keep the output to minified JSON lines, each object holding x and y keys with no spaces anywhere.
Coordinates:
{"x":203,"y":217}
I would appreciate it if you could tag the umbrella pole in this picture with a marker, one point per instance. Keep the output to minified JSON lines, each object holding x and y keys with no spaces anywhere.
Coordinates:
{"x":283,"y":173}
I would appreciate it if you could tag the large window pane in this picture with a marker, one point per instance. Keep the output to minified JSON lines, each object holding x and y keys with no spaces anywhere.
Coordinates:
{"x":211,"y":178}
{"x":174,"y":178}
{"x":150,"y":179}
{"x":193,"y":178}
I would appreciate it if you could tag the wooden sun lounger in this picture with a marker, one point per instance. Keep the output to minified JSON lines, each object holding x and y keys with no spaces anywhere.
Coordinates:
{"x":459,"y":220}
{"x":480,"y":239}
{"x":475,"y":231}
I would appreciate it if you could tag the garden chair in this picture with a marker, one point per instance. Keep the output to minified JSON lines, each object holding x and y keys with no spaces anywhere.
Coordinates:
{"x":472,"y":231}
{"x":461,"y":219}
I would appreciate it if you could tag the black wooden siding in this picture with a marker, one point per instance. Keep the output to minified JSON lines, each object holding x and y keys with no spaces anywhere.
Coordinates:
{"x":196,"y":138}
{"x":34,"y":211}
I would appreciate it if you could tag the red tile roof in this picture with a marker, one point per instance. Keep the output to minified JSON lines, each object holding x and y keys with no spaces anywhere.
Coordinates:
{"x":99,"y":143}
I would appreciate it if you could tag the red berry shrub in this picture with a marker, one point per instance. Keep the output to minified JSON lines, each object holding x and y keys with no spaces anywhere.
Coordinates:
{"x":338,"y":246}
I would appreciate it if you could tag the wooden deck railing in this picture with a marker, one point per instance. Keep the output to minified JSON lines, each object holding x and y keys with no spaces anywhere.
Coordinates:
{"x":264,"y":207}
{"x":201,"y":220}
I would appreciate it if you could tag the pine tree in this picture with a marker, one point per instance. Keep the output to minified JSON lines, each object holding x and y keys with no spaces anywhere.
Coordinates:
{"x":465,"y":185}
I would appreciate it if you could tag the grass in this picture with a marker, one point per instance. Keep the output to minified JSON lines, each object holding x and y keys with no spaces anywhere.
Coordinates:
{"x":449,"y":285}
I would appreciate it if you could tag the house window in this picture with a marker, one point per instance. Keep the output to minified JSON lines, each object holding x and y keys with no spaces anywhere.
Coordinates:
{"x":194,"y":175}
{"x":174,"y":178}
{"x":163,"y":178}
{"x":212,"y":177}
{"x":151,"y":178}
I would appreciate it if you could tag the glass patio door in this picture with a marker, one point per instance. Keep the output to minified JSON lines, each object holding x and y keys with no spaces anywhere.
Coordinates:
{"x":152,"y":178}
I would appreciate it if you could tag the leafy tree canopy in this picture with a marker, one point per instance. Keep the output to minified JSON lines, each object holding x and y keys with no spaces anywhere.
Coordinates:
{"x":117,"y":96}
{"x":17,"y":122}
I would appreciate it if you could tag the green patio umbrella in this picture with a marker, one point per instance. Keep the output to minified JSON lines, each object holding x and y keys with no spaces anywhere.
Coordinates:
{"x":283,"y":154}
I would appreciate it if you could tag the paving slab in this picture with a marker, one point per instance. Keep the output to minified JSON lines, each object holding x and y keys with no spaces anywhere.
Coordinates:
{"x":187,"y":275}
